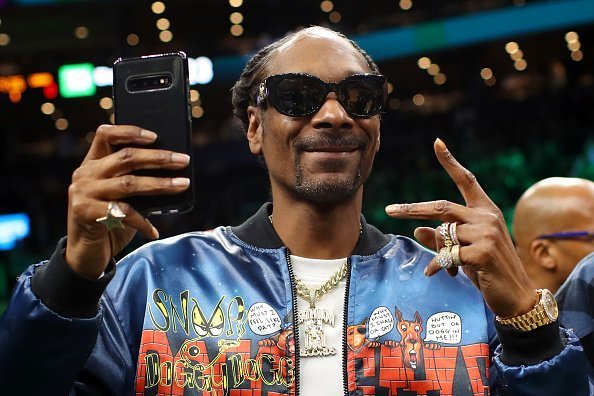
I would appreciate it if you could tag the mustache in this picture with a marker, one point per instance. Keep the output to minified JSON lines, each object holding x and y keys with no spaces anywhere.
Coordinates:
{"x":321,"y":140}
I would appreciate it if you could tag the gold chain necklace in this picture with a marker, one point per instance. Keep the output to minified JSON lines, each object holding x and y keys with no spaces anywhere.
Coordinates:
{"x":313,"y":318}
{"x":314,"y":295}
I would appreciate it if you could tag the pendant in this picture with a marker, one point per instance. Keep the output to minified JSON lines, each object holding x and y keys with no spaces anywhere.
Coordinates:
{"x":315,"y":339}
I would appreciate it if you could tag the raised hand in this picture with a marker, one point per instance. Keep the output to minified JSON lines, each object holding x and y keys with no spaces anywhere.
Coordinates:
{"x":105,"y":176}
{"x":485,"y":252}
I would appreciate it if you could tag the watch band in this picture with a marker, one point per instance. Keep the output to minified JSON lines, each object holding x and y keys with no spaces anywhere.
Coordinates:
{"x":544,"y":312}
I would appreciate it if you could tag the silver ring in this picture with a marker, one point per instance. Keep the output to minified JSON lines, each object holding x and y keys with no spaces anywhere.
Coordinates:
{"x":454,"y":234}
{"x":455,"y":253}
{"x":113,"y":216}
{"x":444,"y":258}
{"x":445,"y":234}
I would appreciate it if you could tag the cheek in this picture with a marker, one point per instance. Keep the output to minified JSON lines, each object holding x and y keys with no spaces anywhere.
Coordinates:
{"x":372,"y":126}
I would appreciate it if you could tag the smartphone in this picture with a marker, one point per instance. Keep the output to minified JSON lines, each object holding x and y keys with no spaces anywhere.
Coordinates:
{"x":153,"y":92}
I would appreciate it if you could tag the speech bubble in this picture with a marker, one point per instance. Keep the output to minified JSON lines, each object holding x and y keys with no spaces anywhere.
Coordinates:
{"x":444,"y":327}
{"x":381,"y":322}
{"x":263,"y":319}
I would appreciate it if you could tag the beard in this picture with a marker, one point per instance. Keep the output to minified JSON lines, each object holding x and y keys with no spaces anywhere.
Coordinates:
{"x":327,"y":191}
{"x":339,"y":185}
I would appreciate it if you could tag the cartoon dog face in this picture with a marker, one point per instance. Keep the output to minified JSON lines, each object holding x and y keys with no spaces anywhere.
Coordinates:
{"x":411,"y":342}
{"x":356,"y":336}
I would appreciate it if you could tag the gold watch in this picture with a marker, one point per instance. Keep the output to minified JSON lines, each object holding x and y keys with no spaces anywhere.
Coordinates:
{"x":544,"y":312}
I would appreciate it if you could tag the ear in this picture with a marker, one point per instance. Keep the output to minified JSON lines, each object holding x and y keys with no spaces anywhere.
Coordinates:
{"x":398,"y":314}
{"x":541,"y":251}
{"x":254,"y":130}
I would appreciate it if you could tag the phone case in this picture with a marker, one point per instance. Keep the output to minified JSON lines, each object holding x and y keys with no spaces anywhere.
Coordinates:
{"x":153,"y":92}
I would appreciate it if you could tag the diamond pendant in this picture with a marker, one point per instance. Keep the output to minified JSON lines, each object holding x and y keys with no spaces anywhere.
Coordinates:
{"x":314,"y":320}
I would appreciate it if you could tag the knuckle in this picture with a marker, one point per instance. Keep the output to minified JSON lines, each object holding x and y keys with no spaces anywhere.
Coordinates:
{"x":102,"y":131}
{"x":162,"y":157}
{"x":73,"y":190}
{"x":78,"y":174}
{"x":408,"y":208}
{"x":128,"y":183}
{"x":469,"y":176}
{"x":441,"y":206}
{"x":449,"y":157}
{"x":126,"y":154}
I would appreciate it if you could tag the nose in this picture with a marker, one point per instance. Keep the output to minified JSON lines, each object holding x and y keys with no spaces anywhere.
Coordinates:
{"x":332,"y":115}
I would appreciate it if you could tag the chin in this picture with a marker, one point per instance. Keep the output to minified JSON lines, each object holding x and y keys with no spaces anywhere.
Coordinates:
{"x":329,"y":191}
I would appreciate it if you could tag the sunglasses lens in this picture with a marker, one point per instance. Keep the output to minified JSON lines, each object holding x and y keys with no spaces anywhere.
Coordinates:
{"x":299,"y":95}
{"x":362,"y":96}
{"x":296,"y":95}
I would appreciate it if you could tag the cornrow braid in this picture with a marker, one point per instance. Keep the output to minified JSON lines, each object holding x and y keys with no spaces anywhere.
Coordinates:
{"x":244,"y":91}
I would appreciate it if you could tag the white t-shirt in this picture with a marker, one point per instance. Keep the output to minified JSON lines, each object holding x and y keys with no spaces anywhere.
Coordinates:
{"x":321,"y":375}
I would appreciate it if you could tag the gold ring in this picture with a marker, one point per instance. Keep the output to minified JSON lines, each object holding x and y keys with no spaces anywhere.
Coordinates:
{"x":444,"y":258}
{"x":113,"y":216}
{"x":445,"y":234}
{"x":455,"y":253}
{"x":454,"y":234}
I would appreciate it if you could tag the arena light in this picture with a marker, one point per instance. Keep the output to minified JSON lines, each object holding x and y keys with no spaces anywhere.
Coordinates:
{"x":103,"y":76}
{"x":201,"y":70}
{"x":76,"y":80}
{"x":40,"y":80}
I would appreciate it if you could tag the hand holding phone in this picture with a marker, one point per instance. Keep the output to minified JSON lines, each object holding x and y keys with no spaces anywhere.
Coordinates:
{"x":152,"y":92}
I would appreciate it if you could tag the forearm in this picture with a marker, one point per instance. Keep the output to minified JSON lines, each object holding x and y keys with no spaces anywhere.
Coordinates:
{"x":552,"y":363}
{"x":46,"y":340}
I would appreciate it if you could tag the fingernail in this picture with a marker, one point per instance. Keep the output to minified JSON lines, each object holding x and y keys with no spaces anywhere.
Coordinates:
{"x":441,"y":144}
{"x":392,"y":208}
{"x":426,"y":271}
{"x":180,"y":158}
{"x":180,"y":182}
{"x":148,"y":135}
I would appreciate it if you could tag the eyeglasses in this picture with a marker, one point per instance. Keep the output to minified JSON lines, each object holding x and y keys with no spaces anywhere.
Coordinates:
{"x":299,"y":95}
{"x":568,"y":235}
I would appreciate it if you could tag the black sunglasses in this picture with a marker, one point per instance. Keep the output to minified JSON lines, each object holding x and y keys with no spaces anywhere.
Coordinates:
{"x":298,"y":95}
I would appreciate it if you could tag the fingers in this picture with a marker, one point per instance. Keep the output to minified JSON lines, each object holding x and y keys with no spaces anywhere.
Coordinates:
{"x":131,"y":185}
{"x":130,"y":159}
{"x":431,"y":210}
{"x":108,"y":136}
{"x":471,"y":191}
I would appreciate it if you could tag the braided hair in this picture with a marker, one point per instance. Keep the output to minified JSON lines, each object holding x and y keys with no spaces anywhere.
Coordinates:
{"x":244,"y":91}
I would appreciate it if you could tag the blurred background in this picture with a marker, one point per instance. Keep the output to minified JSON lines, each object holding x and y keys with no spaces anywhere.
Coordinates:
{"x":507,"y":84}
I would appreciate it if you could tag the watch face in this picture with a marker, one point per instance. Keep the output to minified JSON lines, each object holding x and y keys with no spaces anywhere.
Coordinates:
{"x":550,"y":305}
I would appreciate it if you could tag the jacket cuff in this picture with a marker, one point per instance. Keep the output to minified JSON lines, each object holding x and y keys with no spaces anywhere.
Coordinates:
{"x":64,"y":291}
{"x":529,"y":347}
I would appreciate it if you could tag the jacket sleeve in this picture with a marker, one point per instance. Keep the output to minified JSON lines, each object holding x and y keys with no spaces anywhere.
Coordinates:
{"x":545,"y":361}
{"x":51,"y":332}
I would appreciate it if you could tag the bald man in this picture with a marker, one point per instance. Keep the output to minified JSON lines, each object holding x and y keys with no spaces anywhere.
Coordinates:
{"x":553,"y":228}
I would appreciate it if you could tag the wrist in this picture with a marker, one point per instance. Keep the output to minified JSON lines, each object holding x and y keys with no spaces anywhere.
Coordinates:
{"x":544,"y":312}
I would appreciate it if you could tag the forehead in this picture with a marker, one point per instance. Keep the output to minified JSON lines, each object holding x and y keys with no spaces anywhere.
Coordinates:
{"x":322,"y":54}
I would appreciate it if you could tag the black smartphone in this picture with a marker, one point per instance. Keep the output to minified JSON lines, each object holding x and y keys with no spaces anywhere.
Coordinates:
{"x":153,"y":92}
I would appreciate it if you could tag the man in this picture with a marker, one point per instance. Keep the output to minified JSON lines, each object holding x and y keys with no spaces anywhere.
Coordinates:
{"x":576,"y":304}
{"x":303,"y":298}
{"x":553,"y":228}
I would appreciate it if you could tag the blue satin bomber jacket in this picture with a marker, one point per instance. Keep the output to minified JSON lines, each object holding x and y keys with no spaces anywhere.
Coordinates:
{"x":213,"y":313}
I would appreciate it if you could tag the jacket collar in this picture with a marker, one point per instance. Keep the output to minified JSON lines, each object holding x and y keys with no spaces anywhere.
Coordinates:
{"x":258,"y":231}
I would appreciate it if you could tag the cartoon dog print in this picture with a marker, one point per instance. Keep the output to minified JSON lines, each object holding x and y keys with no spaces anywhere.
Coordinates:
{"x":356,"y":337}
{"x":411,"y":342}
{"x":284,"y":340}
